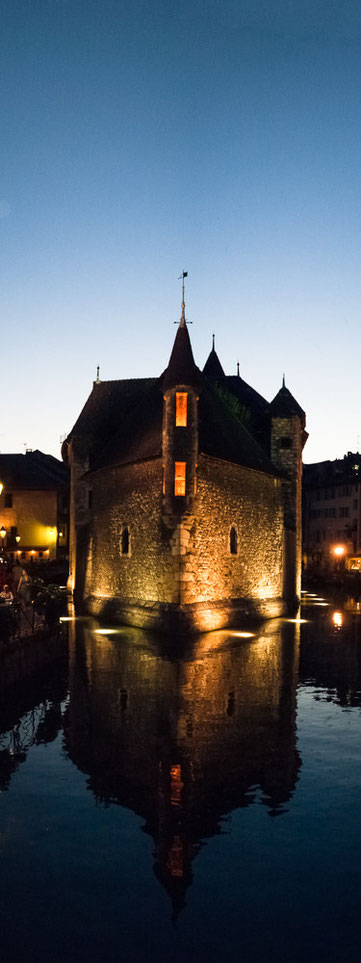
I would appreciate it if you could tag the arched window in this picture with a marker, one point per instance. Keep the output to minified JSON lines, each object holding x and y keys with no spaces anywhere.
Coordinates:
{"x":124,"y":541}
{"x":233,"y":541}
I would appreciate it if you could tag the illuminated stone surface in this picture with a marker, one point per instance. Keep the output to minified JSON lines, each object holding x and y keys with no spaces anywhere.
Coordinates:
{"x":179,"y":490}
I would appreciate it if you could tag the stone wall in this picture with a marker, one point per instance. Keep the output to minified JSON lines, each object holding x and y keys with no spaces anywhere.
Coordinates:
{"x":185,"y":560}
{"x":230,"y":495}
{"x":131,"y":496}
{"x":289,"y":460}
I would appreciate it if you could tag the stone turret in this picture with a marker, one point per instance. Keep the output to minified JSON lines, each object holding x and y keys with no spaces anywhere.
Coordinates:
{"x":180,"y":425}
{"x":288,"y":437}
{"x":180,"y":445}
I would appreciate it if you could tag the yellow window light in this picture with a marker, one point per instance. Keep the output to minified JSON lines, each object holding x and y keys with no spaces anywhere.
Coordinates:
{"x":180,"y":478}
{"x":181,"y":409}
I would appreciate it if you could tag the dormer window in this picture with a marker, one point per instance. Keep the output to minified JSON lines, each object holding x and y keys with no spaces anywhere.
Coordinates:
{"x":180,"y":478}
{"x":181,"y":409}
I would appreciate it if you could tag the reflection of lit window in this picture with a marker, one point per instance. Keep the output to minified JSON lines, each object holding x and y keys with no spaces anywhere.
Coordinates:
{"x":181,"y":409}
{"x":195,"y":480}
{"x":180,"y":478}
{"x":163,"y":484}
{"x":233,"y":541}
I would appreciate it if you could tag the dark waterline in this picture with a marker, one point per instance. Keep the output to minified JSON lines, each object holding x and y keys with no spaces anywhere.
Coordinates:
{"x":202,"y":807}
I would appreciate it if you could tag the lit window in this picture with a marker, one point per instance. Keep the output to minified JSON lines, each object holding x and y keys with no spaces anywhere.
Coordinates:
{"x":163,"y":485}
{"x":180,"y":478}
{"x":181,"y":409}
{"x":233,"y":541}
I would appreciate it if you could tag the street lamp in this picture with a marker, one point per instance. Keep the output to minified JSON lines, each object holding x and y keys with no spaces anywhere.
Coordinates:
{"x":339,"y":551}
{"x":2,"y":535}
{"x":17,"y":538}
{"x":1,"y":487}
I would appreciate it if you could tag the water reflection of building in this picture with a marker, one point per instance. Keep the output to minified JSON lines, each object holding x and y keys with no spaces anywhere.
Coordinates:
{"x":330,"y":659}
{"x":184,"y":742}
{"x":31,"y":714}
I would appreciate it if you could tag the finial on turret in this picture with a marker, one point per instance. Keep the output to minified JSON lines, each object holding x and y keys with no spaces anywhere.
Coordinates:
{"x":237,"y":369}
{"x":283,"y":381}
{"x":98,"y":379}
{"x":213,"y":341}
{"x":183,"y":316}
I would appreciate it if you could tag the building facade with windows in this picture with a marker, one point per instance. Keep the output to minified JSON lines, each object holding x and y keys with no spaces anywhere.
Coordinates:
{"x":331,"y":513}
{"x":185,"y":497}
{"x":34,"y":507}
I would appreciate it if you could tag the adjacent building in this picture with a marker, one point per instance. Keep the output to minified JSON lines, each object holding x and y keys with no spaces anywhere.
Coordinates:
{"x":185,"y":497}
{"x":34,"y":506}
{"x":331,"y":513}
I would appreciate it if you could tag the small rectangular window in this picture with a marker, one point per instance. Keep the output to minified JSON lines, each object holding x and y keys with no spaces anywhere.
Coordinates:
{"x":181,"y":409}
{"x":180,"y":478}
{"x":8,"y":500}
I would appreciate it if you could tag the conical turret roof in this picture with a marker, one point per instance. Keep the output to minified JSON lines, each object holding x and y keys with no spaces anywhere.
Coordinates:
{"x":182,"y":369}
{"x":284,"y":405}
{"x":213,"y":367}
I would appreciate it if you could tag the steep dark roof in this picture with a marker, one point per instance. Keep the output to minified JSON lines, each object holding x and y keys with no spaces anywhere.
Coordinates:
{"x":284,"y":405}
{"x":247,"y":395}
{"x":182,"y":369}
{"x":32,"y":471}
{"x":139,"y":435}
{"x":222,"y":435}
{"x":109,"y":405}
{"x":213,"y":367}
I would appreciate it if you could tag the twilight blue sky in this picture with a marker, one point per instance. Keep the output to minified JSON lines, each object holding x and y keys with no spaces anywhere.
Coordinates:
{"x":139,"y":138}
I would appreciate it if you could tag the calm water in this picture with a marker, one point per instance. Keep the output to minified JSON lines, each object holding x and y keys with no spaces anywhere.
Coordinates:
{"x":197,"y":806}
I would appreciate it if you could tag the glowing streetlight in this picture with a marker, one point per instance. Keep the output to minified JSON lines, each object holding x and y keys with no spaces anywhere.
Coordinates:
{"x":17,"y":538}
{"x":1,"y":487}
{"x":2,"y":533}
{"x":337,"y":619}
{"x":339,"y":551}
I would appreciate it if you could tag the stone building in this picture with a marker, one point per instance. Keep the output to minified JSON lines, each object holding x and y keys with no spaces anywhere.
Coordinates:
{"x":185,"y":497}
{"x":34,"y":506}
{"x":332,"y":514}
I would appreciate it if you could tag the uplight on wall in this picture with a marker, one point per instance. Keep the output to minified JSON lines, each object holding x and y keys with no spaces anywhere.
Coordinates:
{"x":1,"y":487}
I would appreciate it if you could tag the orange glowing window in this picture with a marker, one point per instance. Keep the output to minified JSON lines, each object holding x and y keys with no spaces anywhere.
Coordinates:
{"x":180,"y":478}
{"x":181,"y":409}
{"x":163,"y":484}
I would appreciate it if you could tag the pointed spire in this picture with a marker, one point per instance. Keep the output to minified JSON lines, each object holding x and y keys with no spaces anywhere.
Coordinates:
{"x":97,"y":378}
{"x":181,"y":369}
{"x":283,"y":381}
{"x":237,"y":369}
{"x":213,"y":342}
{"x":182,"y":322}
